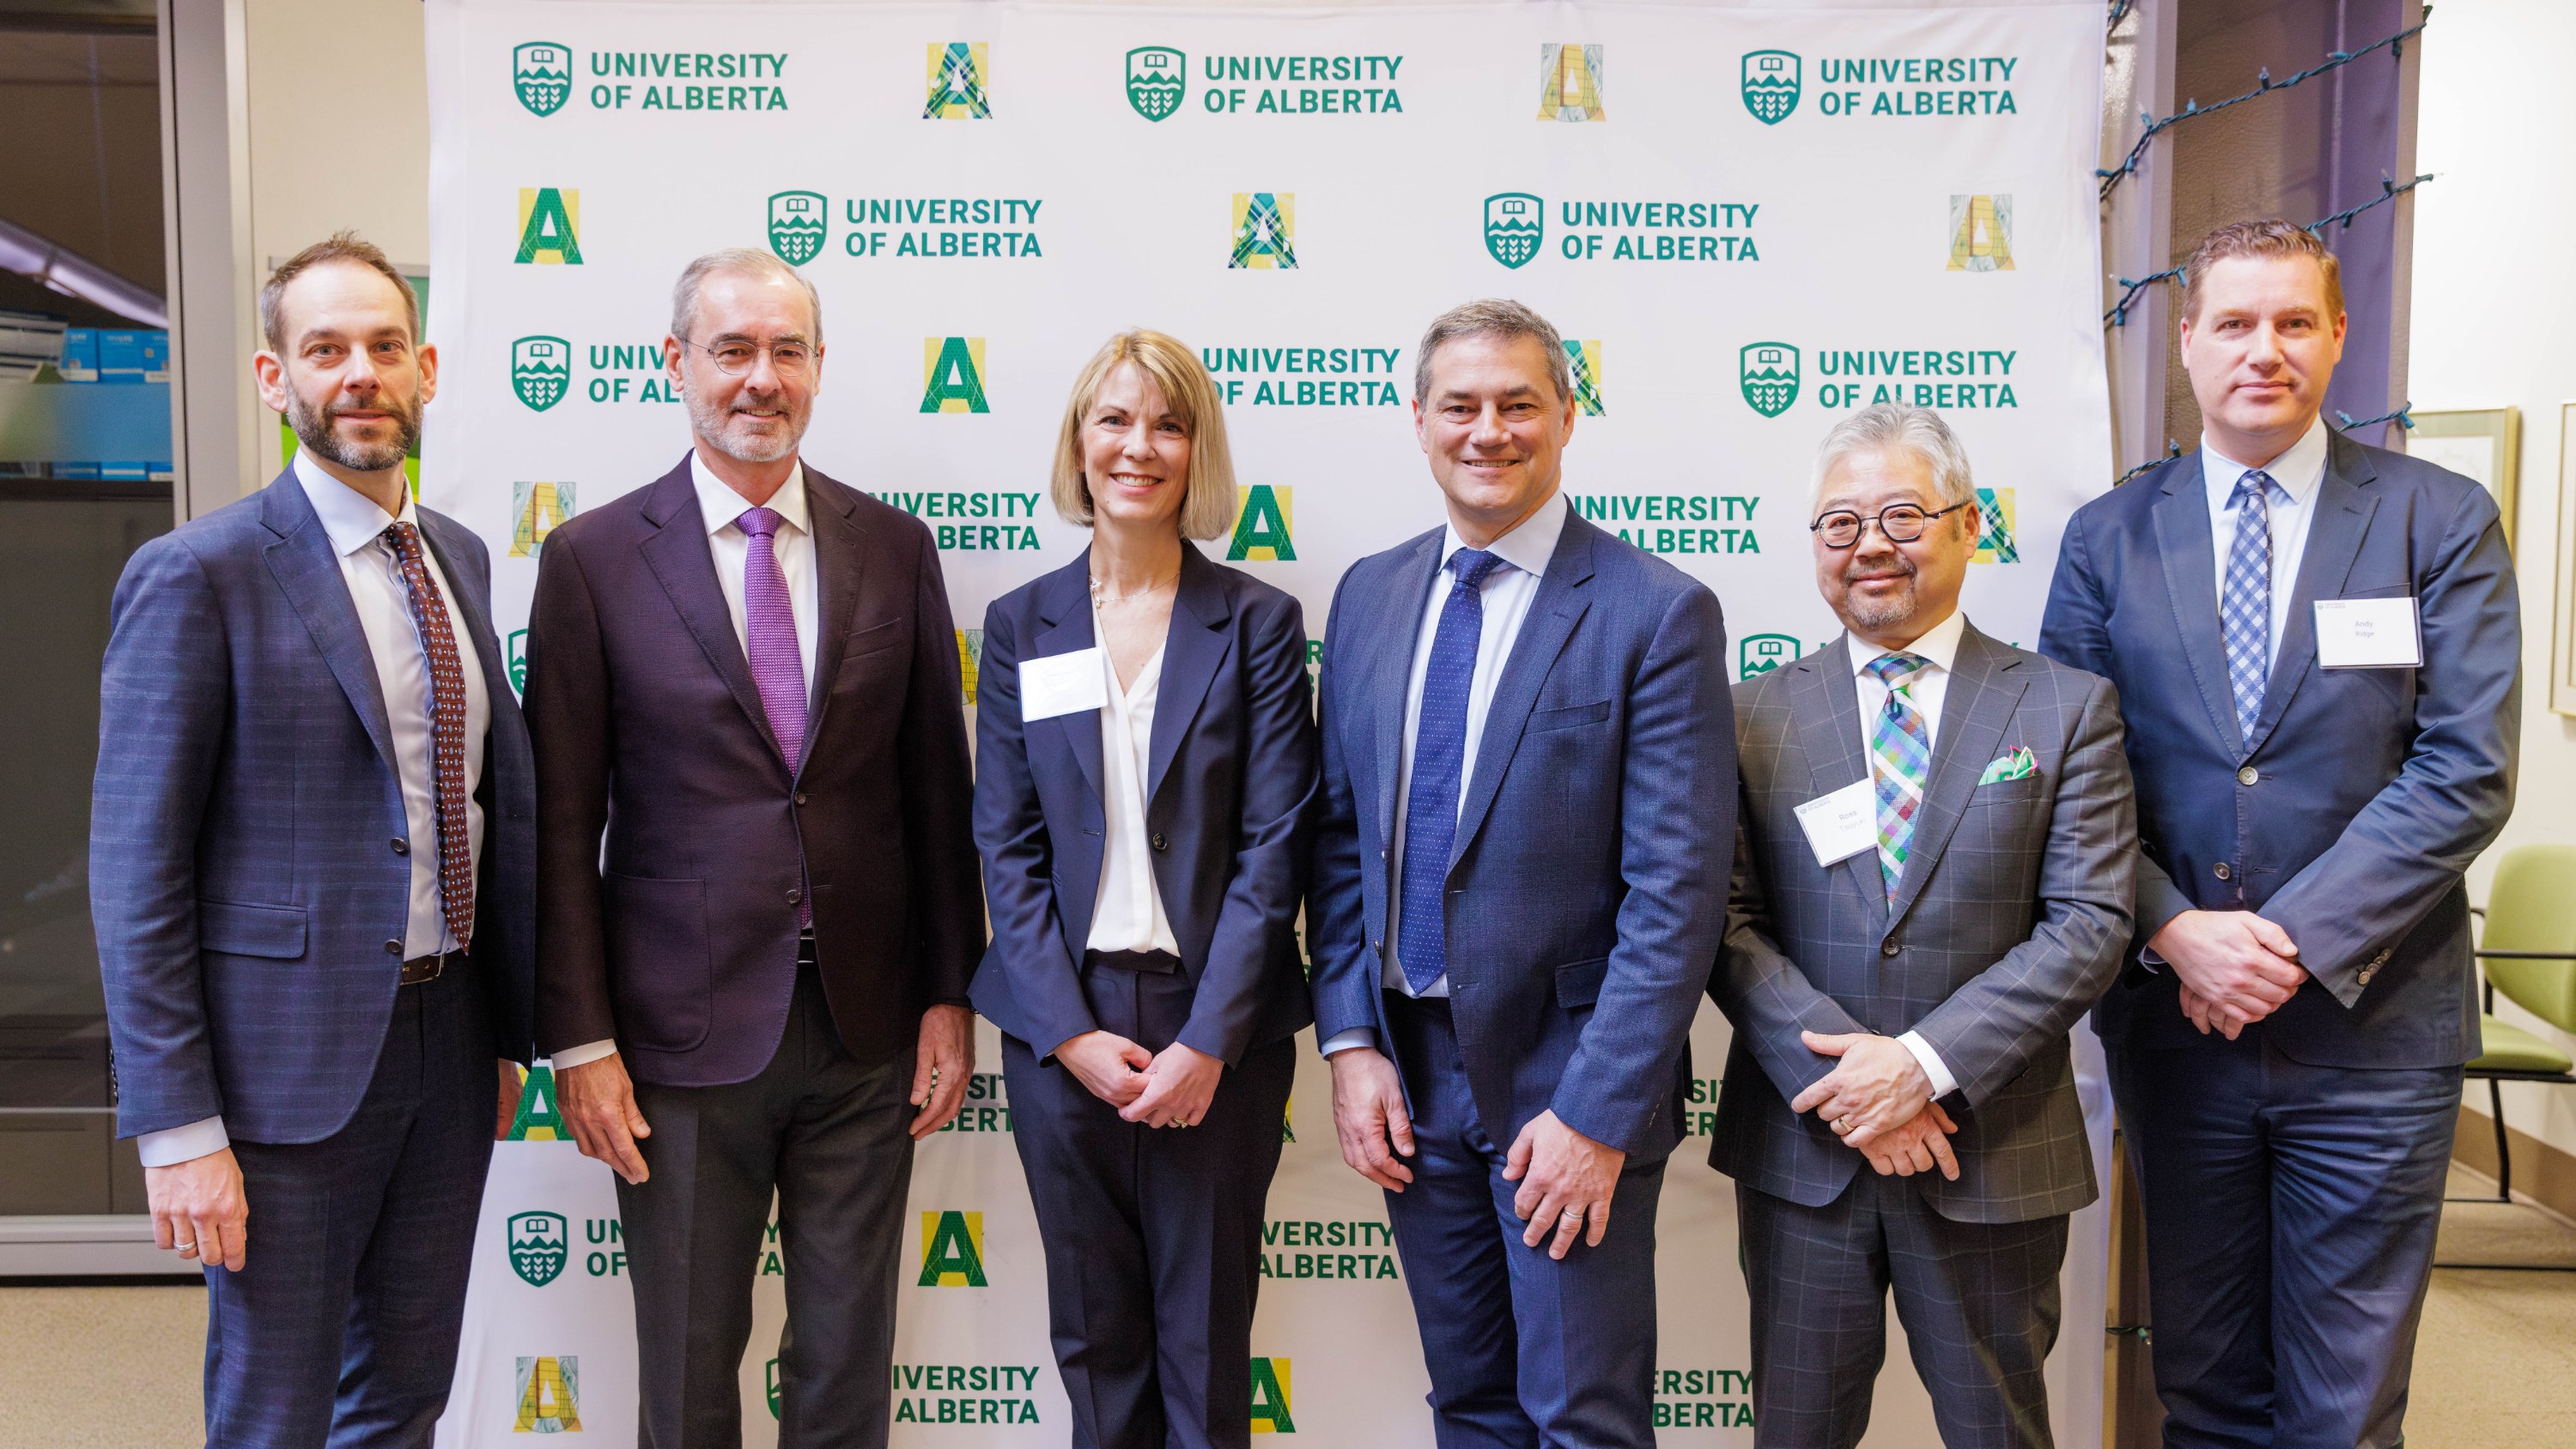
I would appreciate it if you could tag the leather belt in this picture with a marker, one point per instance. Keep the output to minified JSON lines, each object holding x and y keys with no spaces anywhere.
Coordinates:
{"x":426,"y":968}
{"x":1151,"y":963}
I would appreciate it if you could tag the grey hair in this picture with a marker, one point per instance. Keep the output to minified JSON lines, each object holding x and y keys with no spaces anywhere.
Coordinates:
{"x":739,"y":261}
{"x":1919,"y":431}
{"x":1492,"y":317}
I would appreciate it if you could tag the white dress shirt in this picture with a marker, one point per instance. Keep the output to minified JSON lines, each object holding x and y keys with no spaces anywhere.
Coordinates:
{"x":1127,"y":915}
{"x":1939,"y":647}
{"x":2301,"y":472}
{"x":355,"y":525}
{"x":719,"y":507}
{"x":1507,"y":592}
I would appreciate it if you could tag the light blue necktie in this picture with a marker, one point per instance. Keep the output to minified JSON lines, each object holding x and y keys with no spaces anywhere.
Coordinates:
{"x":1439,"y":759}
{"x":2245,"y":605}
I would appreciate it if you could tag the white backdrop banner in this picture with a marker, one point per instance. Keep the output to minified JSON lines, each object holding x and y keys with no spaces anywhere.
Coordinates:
{"x":1747,"y":222}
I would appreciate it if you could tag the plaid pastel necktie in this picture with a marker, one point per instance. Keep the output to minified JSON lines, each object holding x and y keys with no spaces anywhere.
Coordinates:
{"x":446,"y":732}
{"x":1900,"y":760}
{"x":2245,"y":605}
{"x":1439,"y":758}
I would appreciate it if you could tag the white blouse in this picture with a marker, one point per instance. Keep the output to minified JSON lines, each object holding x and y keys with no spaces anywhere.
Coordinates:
{"x":1128,"y":915}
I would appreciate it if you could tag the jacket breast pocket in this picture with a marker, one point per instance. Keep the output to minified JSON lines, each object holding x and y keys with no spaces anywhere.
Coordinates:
{"x":661,"y":969}
{"x":237,"y":928}
{"x":2000,"y":793}
{"x":1572,"y":716}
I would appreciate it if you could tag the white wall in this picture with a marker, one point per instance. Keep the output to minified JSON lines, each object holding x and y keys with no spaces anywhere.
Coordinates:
{"x":2493,"y":300}
{"x":339,"y":125}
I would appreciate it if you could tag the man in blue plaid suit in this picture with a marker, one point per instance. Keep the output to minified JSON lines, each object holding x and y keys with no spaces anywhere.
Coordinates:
{"x":1932,"y":883}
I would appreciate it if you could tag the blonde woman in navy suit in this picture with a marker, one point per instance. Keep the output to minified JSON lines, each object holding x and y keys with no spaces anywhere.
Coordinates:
{"x":1145,"y":762}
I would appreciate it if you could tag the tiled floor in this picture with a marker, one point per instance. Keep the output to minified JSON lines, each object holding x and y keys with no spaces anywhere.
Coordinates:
{"x":118,"y":1368}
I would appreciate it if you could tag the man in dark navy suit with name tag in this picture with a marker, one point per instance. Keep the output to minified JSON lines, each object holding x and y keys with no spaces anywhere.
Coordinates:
{"x":2318,"y":653}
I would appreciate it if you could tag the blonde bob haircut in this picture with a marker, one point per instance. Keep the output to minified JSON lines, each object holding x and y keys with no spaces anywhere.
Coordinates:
{"x":1207,"y":498}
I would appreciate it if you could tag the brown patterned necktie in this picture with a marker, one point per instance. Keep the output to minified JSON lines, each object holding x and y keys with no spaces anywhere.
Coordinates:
{"x":446,"y":732}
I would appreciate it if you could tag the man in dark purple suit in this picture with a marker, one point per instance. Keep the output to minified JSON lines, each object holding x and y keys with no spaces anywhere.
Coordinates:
{"x":743,"y":678}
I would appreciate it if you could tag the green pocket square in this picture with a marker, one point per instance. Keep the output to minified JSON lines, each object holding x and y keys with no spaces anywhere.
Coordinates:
{"x":2009,"y":767}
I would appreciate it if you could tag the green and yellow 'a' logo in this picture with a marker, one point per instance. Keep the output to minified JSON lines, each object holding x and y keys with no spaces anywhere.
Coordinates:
{"x":550,"y":225}
{"x":549,"y":1395}
{"x":952,"y":375}
{"x":1262,"y":514}
{"x":1569,"y":83}
{"x":1270,"y":1397}
{"x":970,"y":658}
{"x":952,"y":1250}
{"x":1995,"y":539}
{"x":538,"y":507}
{"x":538,"y":1119}
{"x":1265,"y":231}
{"x":1981,"y":234}
{"x":1583,"y":361}
{"x":960,"y":73}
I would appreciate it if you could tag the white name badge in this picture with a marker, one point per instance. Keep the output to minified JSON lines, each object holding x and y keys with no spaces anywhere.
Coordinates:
{"x":1062,"y":684}
{"x":1842,"y":824}
{"x":2368,"y":634}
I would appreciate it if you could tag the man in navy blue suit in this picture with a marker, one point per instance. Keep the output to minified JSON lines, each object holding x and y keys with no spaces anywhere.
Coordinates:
{"x":1520,"y":885}
{"x":2318,"y":654}
{"x":311,"y":852}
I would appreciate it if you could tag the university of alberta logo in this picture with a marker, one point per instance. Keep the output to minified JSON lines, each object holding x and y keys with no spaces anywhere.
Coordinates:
{"x":539,"y":1245}
{"x":1995,"y":527}
{"x":1769,"y":374}
{"x":549,"y":1395}
{"x":952,"y":1250}
{"x":1583,"y":361}
{"x":1981,"y":234}
{"x":1515,"y":221}
{"x":517,"y":648}
{"x":1270,"y":1397}
{"x":1569,"y":83}
{"x":542,"y":72}
{"x":952,"y":375}
{"x":538,"y":507}
{"x":550,"y":225}
{"x":796,"y":225}
{"x":960,"y":71}
{"x":1157,"y":79}
{"x":1261,"y":525}
{"x":771,"y":1373}
{"x":539,"y":1119}
{"x":1762,"y":653}
{"x":541,"y":370}
{"x":1265,"y":231}
{"x":1771,"y":84}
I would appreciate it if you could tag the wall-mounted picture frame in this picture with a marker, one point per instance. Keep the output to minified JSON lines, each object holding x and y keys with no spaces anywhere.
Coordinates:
{"x":2480,"y":443}
{"x":2562,"y":630}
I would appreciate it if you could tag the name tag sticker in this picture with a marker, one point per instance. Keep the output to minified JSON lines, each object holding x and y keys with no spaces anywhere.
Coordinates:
{"x":1842,"y":824}
{"x":2368,"y":634}
{"x":1062,"y":684}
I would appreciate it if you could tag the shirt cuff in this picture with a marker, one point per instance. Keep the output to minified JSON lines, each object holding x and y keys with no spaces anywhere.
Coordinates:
{"x":173,"y":1145}
{"x":584,"y":1054}
{"x":1358,"y":1036}
{"x":2148,"y":958}
{"x":1943,"y":1084}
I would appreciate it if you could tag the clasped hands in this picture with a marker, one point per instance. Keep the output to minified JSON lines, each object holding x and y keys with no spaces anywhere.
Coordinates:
{"x":1879,"y":1102}
{"x":1169,"y":1088}
{"x":2234,"y":968}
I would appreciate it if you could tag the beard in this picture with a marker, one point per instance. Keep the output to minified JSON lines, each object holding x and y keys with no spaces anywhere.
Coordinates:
{"x":318,"y":433}
{"x":733,"y":435}
{"x":1885,"y":612}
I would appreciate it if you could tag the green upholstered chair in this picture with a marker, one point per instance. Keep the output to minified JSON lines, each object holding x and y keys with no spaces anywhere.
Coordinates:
{"x":2528,"y":953}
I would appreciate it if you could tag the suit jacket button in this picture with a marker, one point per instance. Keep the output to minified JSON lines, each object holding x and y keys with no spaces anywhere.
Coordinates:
{"x":2247,"y":776}
{"x":800,"y":797}
{"x":393,"y":948}
{"x":401,"y":846}
{"x":1890,"y":946}
{"x":2221,"y":871}
{"x":794,"y":896}
{"x":1162,"y":841}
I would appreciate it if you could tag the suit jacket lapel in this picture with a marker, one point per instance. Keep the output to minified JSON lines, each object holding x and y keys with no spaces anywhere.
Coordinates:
{"x":1559,"y":606}
{"x":831,"y":510}
{"x":1986,"y":686}
{"x":2342,"y":517}
{"x":1399,"y":629}
{"x":1064,"y":604}
{"x":679,"y":555}
{"x":308,"y":572}
{"x":1193,"y":648}
{"x":2191,"y":585}
{"x":1824,"y":704}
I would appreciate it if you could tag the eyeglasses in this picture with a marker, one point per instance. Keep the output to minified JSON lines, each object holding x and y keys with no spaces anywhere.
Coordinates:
{"x":1897,"y":522}
{"x":734,"y":356}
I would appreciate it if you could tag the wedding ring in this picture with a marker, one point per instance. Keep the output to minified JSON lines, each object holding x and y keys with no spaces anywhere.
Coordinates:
{"x":187,"y":1250}
{"x":1571,"y":1215}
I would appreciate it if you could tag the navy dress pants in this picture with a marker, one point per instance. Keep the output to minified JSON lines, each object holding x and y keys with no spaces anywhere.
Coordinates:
{"x":340,"y":1328}
{"x":1524,"y":1350}
{"x":2291,"y":1211}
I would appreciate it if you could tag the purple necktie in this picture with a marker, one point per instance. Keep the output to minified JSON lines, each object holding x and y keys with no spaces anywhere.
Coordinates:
{"x":769,"y":628}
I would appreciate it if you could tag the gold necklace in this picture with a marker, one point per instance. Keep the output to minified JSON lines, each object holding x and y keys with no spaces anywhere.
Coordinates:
{"x":1100,"y":598}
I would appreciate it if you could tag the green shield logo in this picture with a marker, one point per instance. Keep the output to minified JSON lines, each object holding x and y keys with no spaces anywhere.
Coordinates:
{"x":796,"y":225}
{"x":1514,"y":222}
{"x":518,"y":646}
{"x":771,"y":1372}
{"x":541,"y":370}
{"x":540,"y":1242}
{"x":1769,"y":373}
{"x":1157,"y":78}
{"x":1762,"y":653}
{"x":1771,"y":84}
{"x":542,"y":72}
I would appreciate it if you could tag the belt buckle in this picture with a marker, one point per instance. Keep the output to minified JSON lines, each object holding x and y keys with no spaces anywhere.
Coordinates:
{"x":421,"y":969}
